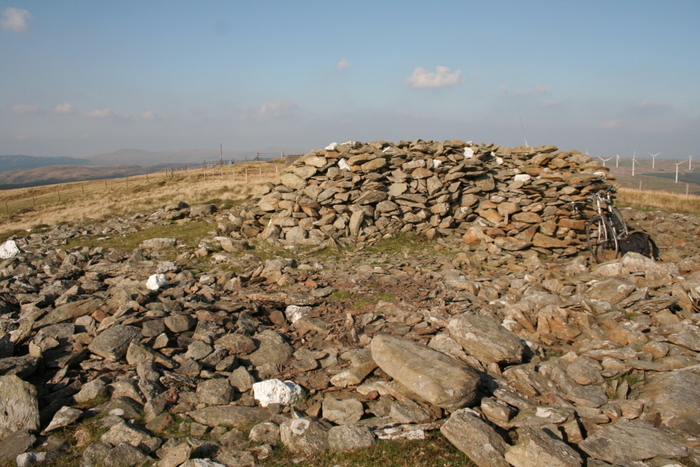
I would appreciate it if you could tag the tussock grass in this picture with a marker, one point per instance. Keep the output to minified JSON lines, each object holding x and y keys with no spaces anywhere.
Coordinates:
{"x":659,"y":201}
{"x":26,"y":208}
{"x":434,"y":451}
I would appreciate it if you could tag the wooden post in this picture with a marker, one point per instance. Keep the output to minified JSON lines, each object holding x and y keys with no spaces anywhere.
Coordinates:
{"x":58,"y":191}
{"x":7,"y":209}
{"x":260,"y":172}
{"x":105,"y":180}
{"x":82,"y":187}
{"x":33,"y":202}
{"x":246,"y":174}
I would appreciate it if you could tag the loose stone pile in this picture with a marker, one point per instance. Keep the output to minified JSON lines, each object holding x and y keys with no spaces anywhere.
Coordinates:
{"x":366,"y":191}
{"x":518,"y":357}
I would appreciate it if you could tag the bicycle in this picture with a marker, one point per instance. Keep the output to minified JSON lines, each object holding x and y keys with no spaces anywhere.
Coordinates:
{"x":606,"y":228}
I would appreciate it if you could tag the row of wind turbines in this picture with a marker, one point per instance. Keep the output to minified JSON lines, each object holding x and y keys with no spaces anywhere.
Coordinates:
{"x":653,"y":162}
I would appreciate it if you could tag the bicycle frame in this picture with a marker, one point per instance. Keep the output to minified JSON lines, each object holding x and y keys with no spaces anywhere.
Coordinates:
{"x":604,"y":229}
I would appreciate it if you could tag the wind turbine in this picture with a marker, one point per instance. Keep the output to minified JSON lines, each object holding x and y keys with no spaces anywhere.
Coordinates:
{"x":653,"y":159}
{"x":604,"y":160}
{"x":634,"y":162}
{"x":677,"y":164}
{"x":689,"y":157}
{"x":617,"y":160}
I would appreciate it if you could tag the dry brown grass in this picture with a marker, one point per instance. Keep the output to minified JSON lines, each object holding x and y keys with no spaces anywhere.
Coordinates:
{"x":25,"y":208}
{"x":80,"y":201}
{"x":659,"y":201}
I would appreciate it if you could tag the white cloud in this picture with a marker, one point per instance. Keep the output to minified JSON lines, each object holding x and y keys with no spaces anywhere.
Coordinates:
{"x":611,"y":124}
{"x":63,"y":109}
{"x":22,"y":109}
{"x":108,"y":114}
{"x":15,"y":20}
{"x":151,"y":115}
{"x":344,"y":64}
{"x":440,"y":78}
{"x":277,"y":109}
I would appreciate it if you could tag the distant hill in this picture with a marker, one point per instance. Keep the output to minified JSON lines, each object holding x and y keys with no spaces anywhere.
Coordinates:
{"x":27,"y":171}
{"x":30,"y":162}
{"x":658,"y":175}
{"x":184,"y":156}
{"x":53,"y":174}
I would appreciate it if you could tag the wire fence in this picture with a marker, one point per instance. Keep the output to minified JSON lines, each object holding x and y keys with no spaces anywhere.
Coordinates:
{"x":18,"y":201}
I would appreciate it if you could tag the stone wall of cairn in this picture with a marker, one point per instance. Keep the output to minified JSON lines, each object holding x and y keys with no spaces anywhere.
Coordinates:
{"x":510,"y":198}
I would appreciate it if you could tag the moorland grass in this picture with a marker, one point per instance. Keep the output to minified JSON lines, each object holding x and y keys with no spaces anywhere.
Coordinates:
{"x":26,"y":208}
{"x":647,"y":200}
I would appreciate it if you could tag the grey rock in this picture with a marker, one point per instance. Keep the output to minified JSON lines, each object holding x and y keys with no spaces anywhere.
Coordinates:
{"x":265,"y":433}
{"x":19,"y":406}
{"x":124,"y":455}
{"x":23,"y":366}
{"x":229,"y":415}
{"x":614,"y":289}
{"x":627,"y":441}
{"x":94,"y":454}
{"x":536,"y":447}
{"x":122,"y":432}
{"x":179,"y":323}
{"x":64,"y":417}
{"x":159,"y":243}
{"x":273,"y":349}
{"x":91,"y":390}
{"x":241,"y":379}
{"x":14,"y":444}
{"x":215,"y":392}
{"x":484,"y":338}
{"x":113,"y":343}
{"x":674,"y":398}
{"x":174,"y":455}
{"x":408,"y":411}
{"x":346,"y":438}
{"x":304,"y":436}
{"x":431,"y":375}
{"x":342,"y":411}
{"x":476,"y":438}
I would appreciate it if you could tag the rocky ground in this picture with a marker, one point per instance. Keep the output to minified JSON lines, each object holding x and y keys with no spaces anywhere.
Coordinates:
{"x":498,"y":330}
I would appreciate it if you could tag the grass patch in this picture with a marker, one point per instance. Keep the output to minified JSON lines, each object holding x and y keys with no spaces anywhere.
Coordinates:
{"x":434,"y":451}
{"x":361,"y":301}
{"x":647,"y":200}
{"x":189,"y":234}
{"x":400,"y":244}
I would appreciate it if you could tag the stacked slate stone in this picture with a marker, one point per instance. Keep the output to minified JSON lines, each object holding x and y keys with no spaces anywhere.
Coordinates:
{"x":363,"y":192}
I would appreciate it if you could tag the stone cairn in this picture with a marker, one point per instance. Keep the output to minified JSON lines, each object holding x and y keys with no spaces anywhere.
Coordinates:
{"x":521,"y":352}
{"x":363,"y":192}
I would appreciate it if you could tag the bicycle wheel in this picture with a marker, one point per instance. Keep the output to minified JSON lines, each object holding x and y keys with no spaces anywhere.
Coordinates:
{"x":618,"y":221}
{"x":601,"y":239}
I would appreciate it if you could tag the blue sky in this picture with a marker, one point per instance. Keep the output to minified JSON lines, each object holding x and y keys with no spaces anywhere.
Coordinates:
{"x":609,"y":77}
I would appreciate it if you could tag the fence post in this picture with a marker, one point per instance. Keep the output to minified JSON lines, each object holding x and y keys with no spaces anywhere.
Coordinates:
{"x":246,"y":174}
{"x":58,"y":191}
{"x":7,"y":209}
